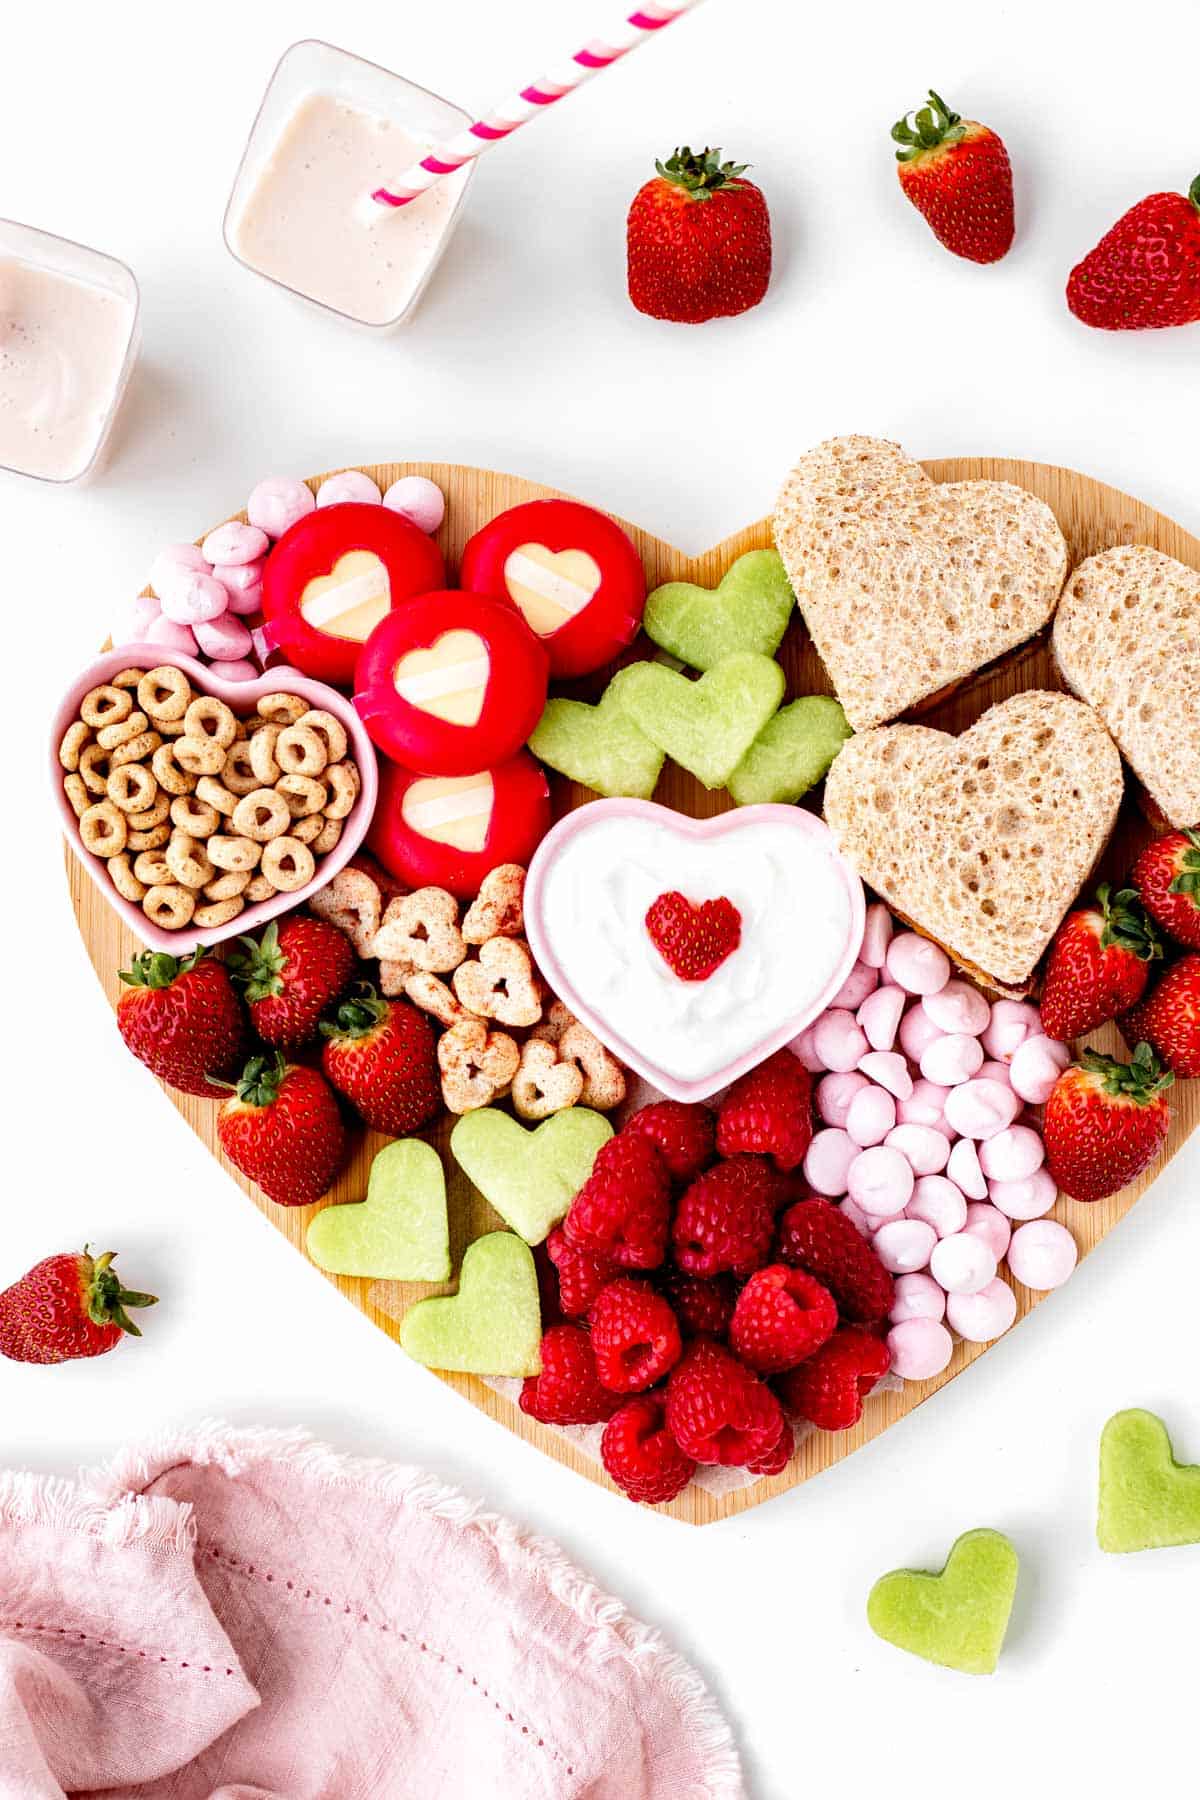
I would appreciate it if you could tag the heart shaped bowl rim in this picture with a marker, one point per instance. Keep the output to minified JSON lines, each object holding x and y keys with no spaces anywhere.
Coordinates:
{"x":702,"y":1088}
{"x":241,"y":696}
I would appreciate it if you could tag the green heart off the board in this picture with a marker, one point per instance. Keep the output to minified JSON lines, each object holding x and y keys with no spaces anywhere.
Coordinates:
{"x":1148,"y":1501}
{"x":956,"y":1618}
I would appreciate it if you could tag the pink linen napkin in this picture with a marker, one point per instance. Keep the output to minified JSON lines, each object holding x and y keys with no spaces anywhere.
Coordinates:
{"x":236,"y":1615}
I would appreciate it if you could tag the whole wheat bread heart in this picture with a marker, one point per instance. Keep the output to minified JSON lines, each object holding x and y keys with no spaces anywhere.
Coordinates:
{"x":1127,"y":640}
{"x":981,"y":841}
{"x":908,"y":585}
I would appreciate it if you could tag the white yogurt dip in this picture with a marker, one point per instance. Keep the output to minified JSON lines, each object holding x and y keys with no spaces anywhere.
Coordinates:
{"x":797,"y":917}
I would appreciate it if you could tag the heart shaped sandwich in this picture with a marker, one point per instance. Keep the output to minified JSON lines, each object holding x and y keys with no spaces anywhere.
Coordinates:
{"x":909,"y":585}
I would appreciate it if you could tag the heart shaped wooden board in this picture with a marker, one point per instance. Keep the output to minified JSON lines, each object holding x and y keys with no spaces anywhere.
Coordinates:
{"x":1093,"y":517}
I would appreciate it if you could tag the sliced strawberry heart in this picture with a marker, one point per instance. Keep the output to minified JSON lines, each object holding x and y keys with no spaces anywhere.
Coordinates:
{"x":693,"y":940}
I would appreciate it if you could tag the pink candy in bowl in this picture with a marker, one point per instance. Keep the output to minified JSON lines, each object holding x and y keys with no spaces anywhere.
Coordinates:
{"x":241,"y":697}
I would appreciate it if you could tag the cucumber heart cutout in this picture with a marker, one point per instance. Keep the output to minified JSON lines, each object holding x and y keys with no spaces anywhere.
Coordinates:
{"x":1148,"y":1501}
{"x":400,"y":1231}
{"x":706,"y":726}
{"x":530,"y":1177}
{"x":598,"y":746}
{"x":749,"y":609}
{"x":957,"y":1618}
{"x":493,"y":1325}
{"x":791,"y":753}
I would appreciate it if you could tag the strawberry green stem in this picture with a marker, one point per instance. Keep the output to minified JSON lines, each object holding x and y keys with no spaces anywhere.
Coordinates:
{"x":931,"y":127}
{"x":258,"y":969}
{"x":157,"y":969}
{"x":356,"y":1017}
{"x":107,"y":1299}
{"x":1126,"y":925}
{"x":701,"y":174}
{"x":1141,"y":1080}
{"x":261,"y":1079}
{"x":1194,"y":193}
{"x":1188,"y":879}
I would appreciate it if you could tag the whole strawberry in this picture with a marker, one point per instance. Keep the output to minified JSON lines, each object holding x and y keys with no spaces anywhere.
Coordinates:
{"x":698,"y":240}
{"x":718,"y":1411}
{"x":1170,"y":1018}
{"x":782,"y":1315}
{"x":183,"y":1019}
{"x":67,"y":1307}
{"x":957,"y":174}
{"x":568,"y":1390}
{"x":640,"y":1454}
{"x":1105,"y":1122}
{"x":281,"y":1127}
{"x":292,"y":975}
{"x":382,"y":1055}
{"x":1167,"y":876}
{"x":829,"y":1387}
{"x":1099,"y":964}
{"x":1145,"y":272}
{"x":635,"y":1336}
{"x":768,"y":1112}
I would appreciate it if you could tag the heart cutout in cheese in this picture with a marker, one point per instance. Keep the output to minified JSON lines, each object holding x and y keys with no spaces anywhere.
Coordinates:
{"x":350,"y":601}
{"x":981,"y":841}
{"x":909,"y":585}
{"x":451,"y":809}
{"x":449,"y":679}
{"x":550,"y":587}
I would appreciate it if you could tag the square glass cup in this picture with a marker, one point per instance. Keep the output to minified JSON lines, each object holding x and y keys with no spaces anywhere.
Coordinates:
{"x":313,"y":67}
{"x":42,"y":250}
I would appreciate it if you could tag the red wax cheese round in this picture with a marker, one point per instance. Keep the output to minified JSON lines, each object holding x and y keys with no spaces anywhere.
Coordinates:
{"x":450,"y":683}
{"x":334,"y":575}
{"x":572,"y":574}
{"x":448,"y":831}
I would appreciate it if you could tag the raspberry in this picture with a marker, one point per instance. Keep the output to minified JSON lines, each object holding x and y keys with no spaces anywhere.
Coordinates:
{"x":684,"y":1136}
{"x":769,"y":1112}
{"x":568,"y":1390}
{"x":702,"y":1307}
{"x":581,"y":1273}
{"x":816,"y":1237}
{"x":693,"y":940}
{"x":782,"y":1315}
{"x":623,"y":1209}
{"x":635,"y":1336}
{"x":829,"y":1387}
{"x":641,"y":1455}
{"x":717,"y":1410}
{"x":725,"y":1219}
{"x":774,"y":1462}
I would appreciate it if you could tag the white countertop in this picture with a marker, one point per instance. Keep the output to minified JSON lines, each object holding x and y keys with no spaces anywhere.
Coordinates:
{"x":124,"y":130}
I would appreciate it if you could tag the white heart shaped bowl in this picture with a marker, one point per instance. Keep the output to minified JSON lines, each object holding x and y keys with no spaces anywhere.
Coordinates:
{"x":585,"y":927}
{"x":242,"y":696}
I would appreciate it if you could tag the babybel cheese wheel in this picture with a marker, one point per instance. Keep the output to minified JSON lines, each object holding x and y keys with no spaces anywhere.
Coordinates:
{"x":450,"y":831}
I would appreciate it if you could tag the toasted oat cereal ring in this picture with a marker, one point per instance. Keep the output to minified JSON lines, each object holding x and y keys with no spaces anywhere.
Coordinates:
{"x":75,"y":739}
{"x":228,"y":886}
{"x":169,"y":728}
{"x":151,"y":868}
{"x":218,"y":913}
{"x":342,"y":780}
{"x":75,"y":788}
{"x":199,"y":756}
{"x":194,"y":816}
{"x":95,"y":765}
{"x":111,"y":737}
{"x":187,"y":861}
{"x":124,"y":879}
{"x":238,"y":775}
{"x":261,"y":815}
{"x":234,"y":853}
{"x":299,"y":750}
{"x":154,"y":839}
{"x":169,"y":906}
{"x":258,"y":889}
{"x":167,"y":771}
{"x":103,"y":830}
{"x":215,"y":794}
{"x":303,"y":793}
{"x":164,"y":693}
{"x":327,"y":838}
{"x":139,"y":749}
{"x":262,"y":754}
{"x":281,"y":709}
{"x":208,"y":717}
{"x":330,"y":730}
{"x":126,"y":678}
{"x":105,"y":705}
{"x":152,"y":816}
{"x":288,"y":864}
{"x":307,"y":829}
{"x":132,"y":787}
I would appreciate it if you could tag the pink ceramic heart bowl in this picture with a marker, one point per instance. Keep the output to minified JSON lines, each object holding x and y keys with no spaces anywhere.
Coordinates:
{"x":801,"y":910}
{"x":242,"y":696}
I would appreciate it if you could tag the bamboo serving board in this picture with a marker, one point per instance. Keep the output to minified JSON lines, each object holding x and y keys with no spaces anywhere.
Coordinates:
{"x":1093,"y":517}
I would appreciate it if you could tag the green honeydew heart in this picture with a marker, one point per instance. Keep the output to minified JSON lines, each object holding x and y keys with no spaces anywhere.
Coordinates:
{"x":706,"y":726}
{"x":957,"y":1618}
{"x":749,"y":609}
{"x":1148,"y":1501}
{"x":400,"y":1231}
{"x":530,"y":1177}
{"x":493,"y":1325}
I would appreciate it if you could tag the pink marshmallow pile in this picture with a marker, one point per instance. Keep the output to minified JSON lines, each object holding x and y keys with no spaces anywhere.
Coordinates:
{"x":929,"y":1100}
{"x":207,"y":599}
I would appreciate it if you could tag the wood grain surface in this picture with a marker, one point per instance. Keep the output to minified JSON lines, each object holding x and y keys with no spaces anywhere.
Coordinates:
{"x":1092,"y":517}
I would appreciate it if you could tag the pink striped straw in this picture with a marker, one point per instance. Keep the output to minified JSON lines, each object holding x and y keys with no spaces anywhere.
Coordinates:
{"x":500,"y":123}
